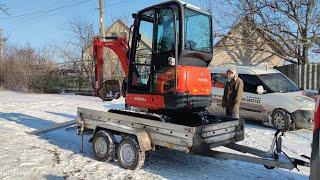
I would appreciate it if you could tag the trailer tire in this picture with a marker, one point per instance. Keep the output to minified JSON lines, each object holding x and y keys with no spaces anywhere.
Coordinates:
{"x":103,"y":145}
{"x":281,"y":120}
{"x":129,"y":154}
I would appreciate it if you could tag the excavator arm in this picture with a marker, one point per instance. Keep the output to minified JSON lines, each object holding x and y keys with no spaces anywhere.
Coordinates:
{"x":119,"y":45}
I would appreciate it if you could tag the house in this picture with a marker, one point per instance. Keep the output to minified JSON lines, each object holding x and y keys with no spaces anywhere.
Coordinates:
{"x":245,"y":44}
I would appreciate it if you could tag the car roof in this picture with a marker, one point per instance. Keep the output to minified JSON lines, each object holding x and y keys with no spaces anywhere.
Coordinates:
{"x":254,"y":70}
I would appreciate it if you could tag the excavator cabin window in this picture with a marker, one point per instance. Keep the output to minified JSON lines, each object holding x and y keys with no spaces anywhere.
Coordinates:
{"x":143,"y":55}
{"x":155,"y":44}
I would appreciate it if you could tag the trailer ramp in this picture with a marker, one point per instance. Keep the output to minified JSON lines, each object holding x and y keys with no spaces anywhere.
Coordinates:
{"x":53,"y":127}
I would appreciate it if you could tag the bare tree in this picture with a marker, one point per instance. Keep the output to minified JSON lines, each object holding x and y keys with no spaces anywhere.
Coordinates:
{"x":78,"y":46}
{"x":294,"y":24}
{"x":225,"y":14}
{"x":3,"y":8}
{"x":25,"y":69}
{"x":290,"y":25}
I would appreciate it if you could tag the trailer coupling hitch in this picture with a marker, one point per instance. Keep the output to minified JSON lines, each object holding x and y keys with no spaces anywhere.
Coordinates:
{"x":276,"y":150}
{"x":276,"y":145}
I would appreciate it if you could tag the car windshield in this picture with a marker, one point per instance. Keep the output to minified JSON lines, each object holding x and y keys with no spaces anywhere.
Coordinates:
{"x":198,"y":34}
{"x":277,"y":82}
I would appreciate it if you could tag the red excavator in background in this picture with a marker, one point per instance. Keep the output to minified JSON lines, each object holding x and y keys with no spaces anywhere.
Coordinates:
{"x":172,"y":78}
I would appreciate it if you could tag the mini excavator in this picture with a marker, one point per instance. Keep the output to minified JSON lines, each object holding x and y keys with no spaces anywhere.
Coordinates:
{"x":166,"y":63}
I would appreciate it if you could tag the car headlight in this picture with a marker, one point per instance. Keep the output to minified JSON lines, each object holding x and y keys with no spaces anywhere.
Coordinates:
{"x":303,"y":99}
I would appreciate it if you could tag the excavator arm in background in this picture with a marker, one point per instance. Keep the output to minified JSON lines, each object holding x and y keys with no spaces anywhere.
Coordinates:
{"x":109,"y":89}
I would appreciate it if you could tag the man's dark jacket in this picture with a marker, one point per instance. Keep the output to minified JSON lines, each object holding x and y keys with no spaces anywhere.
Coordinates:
{"x":233,"y":92}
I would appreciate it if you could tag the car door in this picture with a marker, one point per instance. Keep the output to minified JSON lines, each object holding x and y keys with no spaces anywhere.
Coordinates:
{"x":252,"y":106}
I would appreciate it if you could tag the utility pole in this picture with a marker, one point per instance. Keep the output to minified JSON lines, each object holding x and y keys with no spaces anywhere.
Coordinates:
{"x":102,"y":17}
{"x":102,"y":34}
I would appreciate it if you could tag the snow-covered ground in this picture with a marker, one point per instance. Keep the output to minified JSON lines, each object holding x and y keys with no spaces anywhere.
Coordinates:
{"x":56,"y":155}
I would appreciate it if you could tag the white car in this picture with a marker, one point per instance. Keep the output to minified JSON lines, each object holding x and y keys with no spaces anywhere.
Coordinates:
{"x":269,"y":96}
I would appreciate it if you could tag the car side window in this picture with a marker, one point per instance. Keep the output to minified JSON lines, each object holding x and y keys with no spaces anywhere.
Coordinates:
{"x":251,"y":82}
{"x":218,"y":80}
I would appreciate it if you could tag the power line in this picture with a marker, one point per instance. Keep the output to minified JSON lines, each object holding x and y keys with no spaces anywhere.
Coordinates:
{"x":118,"y":3}
{"x":56,"y":9}
{"x":72,"y":5}
{"x":38,"y":12}
{"x":38,"y":15}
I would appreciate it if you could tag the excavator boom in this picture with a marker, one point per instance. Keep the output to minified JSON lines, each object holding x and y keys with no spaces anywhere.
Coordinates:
{"x":119,"y":45}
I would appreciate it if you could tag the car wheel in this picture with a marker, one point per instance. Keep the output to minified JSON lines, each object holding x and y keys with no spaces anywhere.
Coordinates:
{"x":281,"y":120}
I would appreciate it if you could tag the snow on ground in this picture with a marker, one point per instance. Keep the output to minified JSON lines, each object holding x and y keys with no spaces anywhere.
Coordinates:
{"x":56,"y":155}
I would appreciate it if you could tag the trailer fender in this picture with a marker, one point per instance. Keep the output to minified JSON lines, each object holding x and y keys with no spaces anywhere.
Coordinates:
{"x":142,"y":136}
{"x":144,"y":141}
{"x":95,"y":131}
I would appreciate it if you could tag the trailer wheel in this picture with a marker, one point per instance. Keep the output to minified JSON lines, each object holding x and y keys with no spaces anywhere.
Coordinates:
{"x":281,"y":120}
{"x":129,"y":154}
{"x":103,"y":146}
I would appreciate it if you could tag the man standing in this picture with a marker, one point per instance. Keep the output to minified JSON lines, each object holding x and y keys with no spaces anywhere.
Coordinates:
{"x":233,"y":92}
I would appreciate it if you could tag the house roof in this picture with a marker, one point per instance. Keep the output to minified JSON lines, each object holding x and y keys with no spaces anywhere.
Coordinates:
{"x":145,"y":42}
{"x":249,"y":22}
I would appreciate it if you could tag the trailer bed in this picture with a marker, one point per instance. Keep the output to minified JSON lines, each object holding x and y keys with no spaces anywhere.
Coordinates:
{"x":141,"y":133}
{"x":190,"y":139}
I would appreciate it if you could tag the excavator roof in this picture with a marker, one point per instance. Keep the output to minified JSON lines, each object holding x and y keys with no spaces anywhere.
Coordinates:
{"x":179,"y":2}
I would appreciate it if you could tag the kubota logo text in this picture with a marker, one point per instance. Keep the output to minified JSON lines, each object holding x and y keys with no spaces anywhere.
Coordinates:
{"x":202,"y":78}
{"x":140,"y":99}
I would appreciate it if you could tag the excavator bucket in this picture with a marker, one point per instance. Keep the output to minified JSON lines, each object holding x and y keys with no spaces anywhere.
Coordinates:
{"x":110,"y":90}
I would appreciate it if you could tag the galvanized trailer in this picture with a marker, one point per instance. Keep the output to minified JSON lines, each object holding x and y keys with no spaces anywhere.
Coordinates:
{"x":140,"y":135}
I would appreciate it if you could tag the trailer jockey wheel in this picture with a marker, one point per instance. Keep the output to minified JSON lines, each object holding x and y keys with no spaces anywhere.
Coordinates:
{"x":103,"y":146}
{"x":129,"y":154}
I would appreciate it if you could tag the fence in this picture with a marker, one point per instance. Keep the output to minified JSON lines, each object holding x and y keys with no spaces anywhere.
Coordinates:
{"x":70,"y":84}
{"x":62,"y":81}
{"x":307,"y":76}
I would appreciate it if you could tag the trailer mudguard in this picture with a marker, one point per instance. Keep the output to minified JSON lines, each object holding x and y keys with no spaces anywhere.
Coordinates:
{"x":142,"y":136}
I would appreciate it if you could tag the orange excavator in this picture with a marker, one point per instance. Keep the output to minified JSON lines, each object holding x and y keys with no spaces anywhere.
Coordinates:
{"x":171,"y":76}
